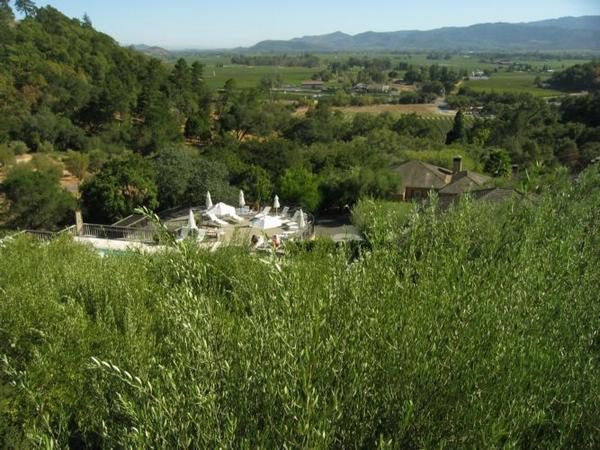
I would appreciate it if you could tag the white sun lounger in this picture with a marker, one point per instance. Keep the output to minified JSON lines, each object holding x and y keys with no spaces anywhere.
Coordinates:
{"x":234,"y":218}
{"x":216,"y":221}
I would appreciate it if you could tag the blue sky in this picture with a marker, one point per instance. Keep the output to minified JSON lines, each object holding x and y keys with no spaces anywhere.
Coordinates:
{"x":232,"y":23}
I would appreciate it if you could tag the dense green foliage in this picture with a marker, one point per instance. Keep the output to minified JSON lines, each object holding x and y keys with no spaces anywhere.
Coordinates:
{"x":36,"y":200}
{"x":580,"y":77}
{"x":70,"y":86}
{"x":123,"y":185}
{"x":474,"y":329}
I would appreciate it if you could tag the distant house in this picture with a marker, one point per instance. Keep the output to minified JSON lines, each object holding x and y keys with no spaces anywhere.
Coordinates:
{"x":419,"y":179}
{"x":478,"y":75}
{"x":371,"y":88}
{"x":313,"y":84}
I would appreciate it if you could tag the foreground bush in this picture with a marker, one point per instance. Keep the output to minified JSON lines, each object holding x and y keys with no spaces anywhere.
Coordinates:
{"x":477,"y":329}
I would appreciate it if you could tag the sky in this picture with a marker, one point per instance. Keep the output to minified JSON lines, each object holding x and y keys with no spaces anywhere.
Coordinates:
{"x":203,"y":24}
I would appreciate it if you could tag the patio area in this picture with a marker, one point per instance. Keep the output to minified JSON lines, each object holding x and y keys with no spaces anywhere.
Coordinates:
{"x":241,"y":226}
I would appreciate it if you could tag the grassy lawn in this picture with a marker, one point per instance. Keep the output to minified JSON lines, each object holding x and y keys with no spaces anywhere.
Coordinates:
{"x":517,"y":82}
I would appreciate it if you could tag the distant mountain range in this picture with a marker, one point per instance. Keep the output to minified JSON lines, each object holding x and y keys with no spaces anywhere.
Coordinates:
{"x":150,"y":50}
{"x":566,"y":33}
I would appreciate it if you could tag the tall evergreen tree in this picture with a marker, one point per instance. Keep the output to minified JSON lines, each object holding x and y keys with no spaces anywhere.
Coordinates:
{"x":459,"y":130}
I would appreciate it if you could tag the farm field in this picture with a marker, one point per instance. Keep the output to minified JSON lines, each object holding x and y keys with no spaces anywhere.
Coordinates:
{"x":218,"y":69}
{"x":516,"y":82}
{"x":429,"y":109}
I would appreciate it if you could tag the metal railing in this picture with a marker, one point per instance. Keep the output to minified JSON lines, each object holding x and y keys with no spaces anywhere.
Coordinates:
{"x":41,"y":235}
{"x":144,"y":235}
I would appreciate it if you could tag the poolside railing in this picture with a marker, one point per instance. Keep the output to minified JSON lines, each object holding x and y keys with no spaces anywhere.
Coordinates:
{"x":144,"y":235}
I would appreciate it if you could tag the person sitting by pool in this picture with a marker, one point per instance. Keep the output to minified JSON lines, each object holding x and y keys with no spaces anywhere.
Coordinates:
{"x":257,"y":241}
{"x":276,"y":241}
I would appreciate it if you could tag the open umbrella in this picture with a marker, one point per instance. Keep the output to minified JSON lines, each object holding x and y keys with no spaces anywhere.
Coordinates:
{"x":242,"y":199}
{"x":209,"y":203}
{"x":276,"y":204}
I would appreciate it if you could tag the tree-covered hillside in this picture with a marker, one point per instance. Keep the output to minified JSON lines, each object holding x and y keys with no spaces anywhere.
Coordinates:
{"x":67,"y":86}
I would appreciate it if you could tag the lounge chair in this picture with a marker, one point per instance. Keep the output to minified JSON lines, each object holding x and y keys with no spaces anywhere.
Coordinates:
{"x":266,"y":210}
{"x":284,"y":212}
{"x":292,"y":226}
{"x":244,"y":211}
{"x":215,"y":221}
{"x":234,"y":218}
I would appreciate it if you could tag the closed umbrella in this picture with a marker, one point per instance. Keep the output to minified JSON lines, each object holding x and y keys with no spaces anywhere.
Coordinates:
{"x":192,"y":221}
{"x":242,"y":199}
{"x":209,"y":203}
{"x":276,"y":204}
{"x":301,"y":220}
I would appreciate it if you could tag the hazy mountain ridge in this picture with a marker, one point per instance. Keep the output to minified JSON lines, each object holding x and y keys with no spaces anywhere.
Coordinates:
{"x":566,"y":33}
{"x":151,"y":50}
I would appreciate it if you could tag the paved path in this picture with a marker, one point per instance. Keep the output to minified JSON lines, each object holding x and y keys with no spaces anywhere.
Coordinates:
{"x":339,"y":228}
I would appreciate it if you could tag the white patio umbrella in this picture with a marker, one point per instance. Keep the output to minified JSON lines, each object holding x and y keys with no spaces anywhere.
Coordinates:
{"x":222,"y":209}
{"x":242,"y":199}
{"x":209,"y":203}
{"x":266,"y":222}
{"x":301,"y":220}
{"x":276,"y":204}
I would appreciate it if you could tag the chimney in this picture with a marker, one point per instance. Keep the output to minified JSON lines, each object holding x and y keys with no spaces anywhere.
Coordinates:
{"x":515,"y":171}
{"x":457,"y":164}
{"x":78,"y":223}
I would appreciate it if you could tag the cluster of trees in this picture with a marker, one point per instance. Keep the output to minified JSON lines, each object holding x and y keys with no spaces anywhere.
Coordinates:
{"x":303,"y":60}
{"x":580,"y":77}
{"x":36,"y":199}
{"x":365,"y":62}
{"x":435,"y":78}
{"x":532,"y":130}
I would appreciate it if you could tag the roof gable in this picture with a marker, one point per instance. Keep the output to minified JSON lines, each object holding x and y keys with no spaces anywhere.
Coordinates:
{"x":465,"y":181}
{"x":417,"y":174}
